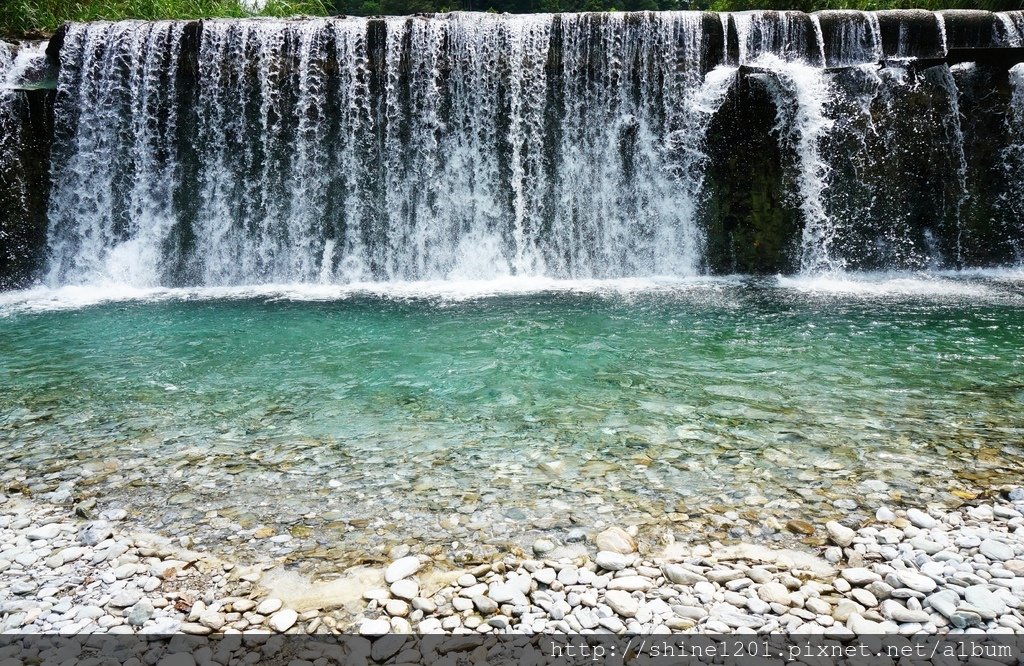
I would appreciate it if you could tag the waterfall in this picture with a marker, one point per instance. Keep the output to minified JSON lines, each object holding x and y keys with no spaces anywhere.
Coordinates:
{"x":955,"y":135}
{"x":18,"y":62}
{"x":791,"y":48}
{"x":10,"y":129}
{"x":116,"y":166}
{"x":850,"y":38}
{"x":339,"y":150}
{"x":21,"y":66}
{"x":1011,"y":25}
{"x":1013,"y":158}
{"x":801,"y":93}
{"x":788,"y":36}
{"x":475,"y":146}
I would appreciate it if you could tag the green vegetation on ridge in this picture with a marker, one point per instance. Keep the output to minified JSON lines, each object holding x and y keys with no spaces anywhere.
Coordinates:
{"x":25,"y":17}
{"x":34,"y":17}
{"x":371,"y":7}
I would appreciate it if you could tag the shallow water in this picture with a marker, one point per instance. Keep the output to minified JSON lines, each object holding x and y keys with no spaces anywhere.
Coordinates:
{"x":472,"y":418}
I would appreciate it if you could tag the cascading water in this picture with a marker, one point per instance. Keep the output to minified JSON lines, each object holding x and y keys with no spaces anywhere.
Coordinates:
{"x":849,"y":126}
{"x":786,"y":36}
{"x":115,"y":179}
{"x":1010,"y":28}
{"x":955,"y":135}
{"x":17,"y":63}
{"x":790,"y":48}
{"x":1013,"y":157}
{"x":403,"y":149}
{"x":801,"y":95}
{"x":9,"y":128}
{"x":21,"y":65}
{"x":854,"y":38}
{"x":470,"y":146}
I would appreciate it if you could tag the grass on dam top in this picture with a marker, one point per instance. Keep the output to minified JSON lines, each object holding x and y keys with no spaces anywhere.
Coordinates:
{"x":36,"y":17}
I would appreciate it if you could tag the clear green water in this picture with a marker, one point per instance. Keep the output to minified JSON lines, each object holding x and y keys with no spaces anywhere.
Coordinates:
{"x":476,"y":424}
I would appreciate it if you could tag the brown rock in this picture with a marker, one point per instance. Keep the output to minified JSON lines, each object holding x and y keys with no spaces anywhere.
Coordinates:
{"x":800,"y":527}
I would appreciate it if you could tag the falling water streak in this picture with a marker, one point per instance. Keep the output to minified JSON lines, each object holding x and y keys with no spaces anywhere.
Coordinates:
{"x":801,"y":93}
{"x":1013,"y":153}
{"x":1012,"y":24}
{"x":819,"y":39}
{"x":399,"y":194}
{"x":788,"y":36}
{"x":215,"y":229}
{"x":117,"y":161}
{"x":527,"y":93}
{"x":307,"y":183}
{"x":457,"y":147}
{"x":954,"y":130}
{"x":855,"y":40}
{"x":875,"y":31}
{"x":940,"y":22}
{"x":724,"y":18}
{"x":7,"y":54}
{"x":17,"y":62}
{"x":155,"y":177}
{"x":899,"y":233}
{"x":71,"y":142}
{"x":438,"y":156}
{"x":270,"y":241}
{"x":811,"y":94}
{"x":356,"y":155}
{"x":10,"y":128}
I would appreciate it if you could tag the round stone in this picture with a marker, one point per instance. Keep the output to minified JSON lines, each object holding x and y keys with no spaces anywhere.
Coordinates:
{"x":859,"y":576}
{"x":622,"y":603}
{"x":611,"y":561}
{"x":402,"y":568}
{"x":177,"y":659}
{"x":800,"y":527}
{"x":915,"y":581}
{"x":996,"y":550}
{"x":396,"y":608}
{"x":139,"y":613}
{"x":775,"y":593}
{"x":543,"y":546}
{"x":840,"y":534}
{"x":44,"y":533}
{"x":680,"y":575}
{"x":212,"y":619}
{"x":374,"y":627}
{"x":984,"y":600}
{"x":615,"y":540}
{"x":485,"y":604}
{"x":269,"y":606}
{"x":921,"y":519}
{"x":283,"y":620}
{"x":884,"y":515}
{"x":405,"y":589}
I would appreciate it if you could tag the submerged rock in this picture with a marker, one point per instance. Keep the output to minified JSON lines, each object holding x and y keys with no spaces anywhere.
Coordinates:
{"x":615,"y":540}
{"x":840,"y":534}
{"x":402,"y":568}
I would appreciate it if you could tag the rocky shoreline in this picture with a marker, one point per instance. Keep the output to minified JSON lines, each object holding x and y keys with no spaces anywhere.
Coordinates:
{"x":908,"y":572}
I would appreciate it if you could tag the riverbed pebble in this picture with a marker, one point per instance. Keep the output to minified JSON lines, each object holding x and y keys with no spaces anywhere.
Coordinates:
{"x":910,"y":571}
{"x":402,"y":568}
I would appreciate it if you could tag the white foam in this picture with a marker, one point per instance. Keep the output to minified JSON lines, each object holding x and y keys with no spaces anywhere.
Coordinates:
{"x":945,"y":284}
{"x":983,"y":283}
{"x":1007,"y":274}
{"x":43,"y":299}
